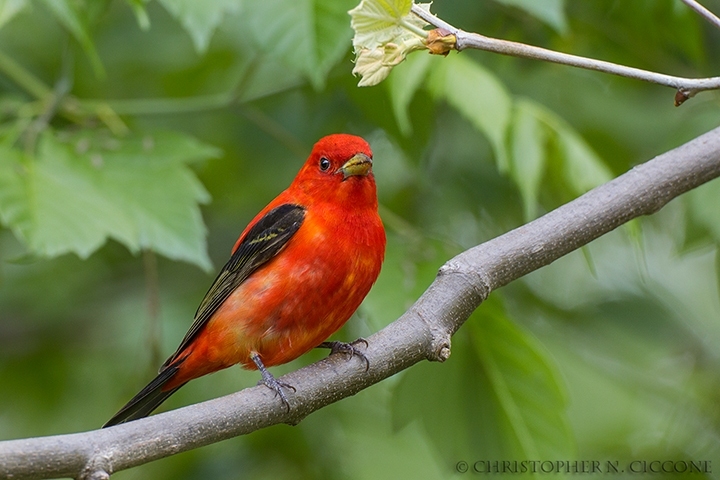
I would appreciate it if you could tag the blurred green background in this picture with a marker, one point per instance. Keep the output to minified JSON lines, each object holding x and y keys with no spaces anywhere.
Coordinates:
{"x":138,"y":138}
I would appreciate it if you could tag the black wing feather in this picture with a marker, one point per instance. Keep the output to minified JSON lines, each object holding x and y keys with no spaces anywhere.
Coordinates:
{"x":264,"y":240}
{"x":147,"y":399}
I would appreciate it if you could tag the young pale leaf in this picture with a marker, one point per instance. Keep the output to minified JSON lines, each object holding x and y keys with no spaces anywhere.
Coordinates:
{"x":385,"y":33}
{"x":76,"y":194}
{"x":552,"y":12}
{"x":527,"y":155}
{"x":479,"y":96}
{"x":377,"y":22}
{"x":66,"y":13}
{"x":9,"y":8}
{"x":200,"y":19}
{"x":374,"y":66}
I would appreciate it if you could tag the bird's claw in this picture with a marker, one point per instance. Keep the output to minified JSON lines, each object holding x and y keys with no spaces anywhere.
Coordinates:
{"x":348,"y":349}
{"x":277,"y":386}
{"x":271,"y":382}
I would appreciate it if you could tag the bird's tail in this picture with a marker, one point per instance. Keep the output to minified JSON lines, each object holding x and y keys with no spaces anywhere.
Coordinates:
{"x":148,"y":399}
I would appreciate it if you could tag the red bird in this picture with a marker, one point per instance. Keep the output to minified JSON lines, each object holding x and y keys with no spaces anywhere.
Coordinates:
{"x":297,"y":273}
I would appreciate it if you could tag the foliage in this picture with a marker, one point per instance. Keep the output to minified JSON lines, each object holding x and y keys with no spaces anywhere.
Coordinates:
{"x":121,"y":120}
{"x":74,"y":194}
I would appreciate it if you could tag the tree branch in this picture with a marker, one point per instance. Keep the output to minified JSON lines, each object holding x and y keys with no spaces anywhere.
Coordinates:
{"x":704,"y":12}
{"x":422,"y":333}
{"x":687,"y":87}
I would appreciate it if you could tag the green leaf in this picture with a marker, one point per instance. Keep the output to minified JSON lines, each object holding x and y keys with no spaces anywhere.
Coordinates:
{"x":10,"y":8}
{"x":454,"y":408}
{"x":717,"y":266}
{"x":551,"y":12}
{"x":479,"y":96}
{"x":403,"y":85}
{"x":704,"y":207}
{"x":200,"y":19}
{"x":526,"y":385}
{"x":394,"y":173}
{"x":498,"y":394}
{"x":579,"y":166}
{"x":66,"y":13}
{"x":584,"y":170}
{"x":138,"y":8}
{"x":537,"y":134}
{"x":528,"y":155}
{"x":411,"y":264}
{"x":79,"y":192}
{"x":309,"y":36}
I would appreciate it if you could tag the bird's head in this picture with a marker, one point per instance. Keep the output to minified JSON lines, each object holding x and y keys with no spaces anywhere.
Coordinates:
{"x":339,"y":169}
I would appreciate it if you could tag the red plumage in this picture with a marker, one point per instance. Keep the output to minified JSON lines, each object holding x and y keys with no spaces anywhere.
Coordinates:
{"x":319,"y":245}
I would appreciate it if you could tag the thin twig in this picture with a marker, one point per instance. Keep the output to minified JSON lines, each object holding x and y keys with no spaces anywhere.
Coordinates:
{"x":704,"y":12}
{"x":275,"y":129}
{"x":422,"y":333}
{"x":22,"y":77}
{"x":688,"y":86}
{"x":108,"y":110}
{"x":52,"y":103}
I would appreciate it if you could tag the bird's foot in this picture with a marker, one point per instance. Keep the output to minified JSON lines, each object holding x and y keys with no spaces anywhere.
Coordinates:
{"x":348,"y":349}
{"x":271,"y":382}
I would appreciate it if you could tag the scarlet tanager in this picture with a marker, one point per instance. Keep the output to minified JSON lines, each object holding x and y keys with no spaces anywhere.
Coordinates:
{"x":297,"y":273}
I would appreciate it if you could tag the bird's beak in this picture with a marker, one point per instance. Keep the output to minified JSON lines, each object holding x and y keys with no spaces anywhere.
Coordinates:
{"x":360,"y":164}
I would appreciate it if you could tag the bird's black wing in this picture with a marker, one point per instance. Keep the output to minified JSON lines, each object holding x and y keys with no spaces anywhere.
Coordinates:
{"x":147,"y":400}
{"x":264,"y":240}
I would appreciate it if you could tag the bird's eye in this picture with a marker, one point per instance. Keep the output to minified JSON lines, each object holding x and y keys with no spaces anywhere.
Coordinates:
{"x":324,"y":164}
